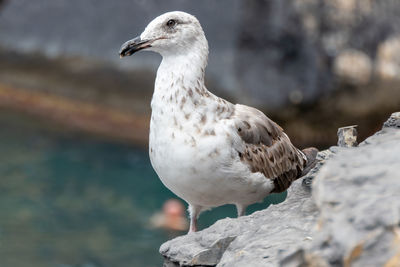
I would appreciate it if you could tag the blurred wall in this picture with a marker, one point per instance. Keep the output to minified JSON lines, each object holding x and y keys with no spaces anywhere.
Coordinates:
{"x":300,"y":49}
{"x":265,"y":52}
{"x":96,"y":29}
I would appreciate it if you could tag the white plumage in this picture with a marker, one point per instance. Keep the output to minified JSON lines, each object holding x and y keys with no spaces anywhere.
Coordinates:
{"x":206,"y":150}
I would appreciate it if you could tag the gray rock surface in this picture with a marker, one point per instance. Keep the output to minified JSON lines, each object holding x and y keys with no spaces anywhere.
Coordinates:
{"x":357,"y":194}
{"x":247,"y":235}
{"x":393,"y":121}
{"x":347,"y":136}
{"x":350,"y":217}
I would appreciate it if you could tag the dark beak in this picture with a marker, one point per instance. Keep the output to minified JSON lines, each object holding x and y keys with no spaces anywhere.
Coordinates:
{"x":133,"y":46}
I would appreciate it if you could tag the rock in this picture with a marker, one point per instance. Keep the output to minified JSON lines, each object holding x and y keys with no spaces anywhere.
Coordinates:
{"x":347,"y":136}
{"x":350,"y":217}
{"x":357,"y":194}
{"x":321,"y":159}
{"x":393,"y":121}
{"x":353,"y":67}
{"x":204,"y":253}
{"x":388,"y":59}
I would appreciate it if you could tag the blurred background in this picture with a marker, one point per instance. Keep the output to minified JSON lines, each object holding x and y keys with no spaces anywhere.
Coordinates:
{"x":77,"y":187}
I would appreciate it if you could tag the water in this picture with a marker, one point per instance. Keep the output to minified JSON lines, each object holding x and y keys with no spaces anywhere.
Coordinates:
{"x":68,"y":200}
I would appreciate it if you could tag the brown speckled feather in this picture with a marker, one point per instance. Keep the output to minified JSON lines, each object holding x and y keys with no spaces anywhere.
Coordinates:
{"x":267,"y":149}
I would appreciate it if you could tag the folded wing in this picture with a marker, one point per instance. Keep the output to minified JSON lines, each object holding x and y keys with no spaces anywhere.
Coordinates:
{"x":266,"y":148}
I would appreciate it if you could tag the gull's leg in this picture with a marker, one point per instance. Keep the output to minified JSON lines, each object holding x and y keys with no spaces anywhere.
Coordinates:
{"x":194,"y":212}
{"x":241,"y":209}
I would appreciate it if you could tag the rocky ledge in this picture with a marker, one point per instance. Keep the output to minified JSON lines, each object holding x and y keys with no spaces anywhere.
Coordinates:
{"x":345,"y":212}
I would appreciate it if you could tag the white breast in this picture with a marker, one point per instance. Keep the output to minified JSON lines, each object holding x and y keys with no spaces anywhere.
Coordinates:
{"x":202,"y":169}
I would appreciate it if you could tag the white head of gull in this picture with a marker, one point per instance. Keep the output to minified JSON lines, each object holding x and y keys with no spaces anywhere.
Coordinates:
{"x":206,"y":150}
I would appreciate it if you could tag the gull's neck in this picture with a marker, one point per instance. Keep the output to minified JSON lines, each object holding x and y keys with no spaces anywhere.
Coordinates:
{"x":187,"y":69}
{"x":181,"y":76}
{"x":181,"y":101}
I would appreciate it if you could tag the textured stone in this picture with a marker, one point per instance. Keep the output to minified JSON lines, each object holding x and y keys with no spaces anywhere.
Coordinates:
{"x":347,"y":136}
{"x":321,"y":158}
{"x":357,"y":194}
{"x":393,"y":121}
{"x":199,"y":251}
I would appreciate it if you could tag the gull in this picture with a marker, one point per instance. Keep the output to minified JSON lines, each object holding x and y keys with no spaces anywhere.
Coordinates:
{"x":206,"y":150}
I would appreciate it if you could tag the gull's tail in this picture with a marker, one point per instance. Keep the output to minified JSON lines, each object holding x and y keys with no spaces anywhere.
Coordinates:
{"x":311,"y":155}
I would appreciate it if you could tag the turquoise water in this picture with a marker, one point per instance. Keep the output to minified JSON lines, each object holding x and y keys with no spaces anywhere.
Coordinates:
{"x":72,"y":200}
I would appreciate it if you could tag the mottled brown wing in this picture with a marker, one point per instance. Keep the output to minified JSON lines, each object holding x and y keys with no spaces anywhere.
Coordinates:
{"x":267,"y":149}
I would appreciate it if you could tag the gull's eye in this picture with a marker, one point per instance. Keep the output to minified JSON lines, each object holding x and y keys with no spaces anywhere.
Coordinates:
{"x":171,"y":23}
